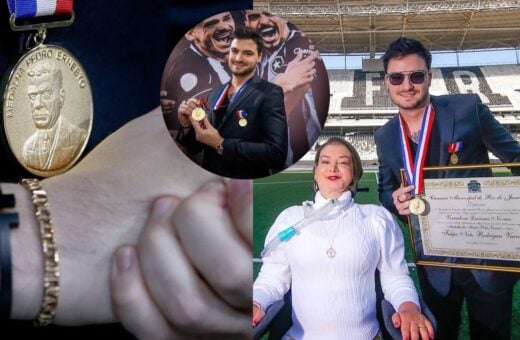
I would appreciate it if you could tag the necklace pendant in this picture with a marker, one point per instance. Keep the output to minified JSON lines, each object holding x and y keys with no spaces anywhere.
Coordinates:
{"x":331,"y":252}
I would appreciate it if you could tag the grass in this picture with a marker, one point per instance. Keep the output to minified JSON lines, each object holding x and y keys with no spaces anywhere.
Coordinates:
{"x":275,"y":193}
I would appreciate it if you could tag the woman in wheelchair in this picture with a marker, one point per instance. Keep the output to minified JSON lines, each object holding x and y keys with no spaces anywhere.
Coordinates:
{"x":329,"y":256}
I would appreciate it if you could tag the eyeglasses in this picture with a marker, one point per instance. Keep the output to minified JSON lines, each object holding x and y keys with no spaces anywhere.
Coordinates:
{"x":416,"y":77}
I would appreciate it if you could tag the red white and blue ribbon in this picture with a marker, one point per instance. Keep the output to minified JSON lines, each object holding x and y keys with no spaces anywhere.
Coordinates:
{"x":224,"y":92}
{"x":414,"y":170}
{"x":455,"y":147}
{"x":23,"y":9}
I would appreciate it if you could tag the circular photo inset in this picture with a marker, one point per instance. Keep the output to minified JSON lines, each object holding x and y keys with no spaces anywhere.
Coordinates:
{"x":245,"y":94}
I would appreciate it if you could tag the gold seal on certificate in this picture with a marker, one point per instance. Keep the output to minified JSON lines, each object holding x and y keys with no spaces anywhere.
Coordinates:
{"x":47,"y":110}
{"x":198,"y":114}
{"x":454,"y":159}
{"x":417,"y":206}
{"x":242,"y":122}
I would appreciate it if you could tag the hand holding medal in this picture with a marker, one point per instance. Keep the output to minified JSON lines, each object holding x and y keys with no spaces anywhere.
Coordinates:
{"x":199,"y":113}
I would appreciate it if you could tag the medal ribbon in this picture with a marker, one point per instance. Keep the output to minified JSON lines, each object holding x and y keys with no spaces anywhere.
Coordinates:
{"x":454,"y":147}
{"x":203,"y":103}
{"x":223,"y":94}
{"x":241,"y":114}
{"x":23,"y":9}
{"x":414,"y":171}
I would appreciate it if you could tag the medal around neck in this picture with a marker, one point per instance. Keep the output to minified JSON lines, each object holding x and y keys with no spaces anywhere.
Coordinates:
{"x":47,"y":110}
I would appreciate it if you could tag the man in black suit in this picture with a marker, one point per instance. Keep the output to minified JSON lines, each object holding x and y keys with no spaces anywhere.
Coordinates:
{"x":244,"y":134}
{"x":454,"y":119}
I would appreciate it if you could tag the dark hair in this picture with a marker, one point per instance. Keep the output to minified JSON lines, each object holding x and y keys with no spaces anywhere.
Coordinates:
{"x":244,"y":33}
{"x":403,"y":47}
{"x":356,"y":161}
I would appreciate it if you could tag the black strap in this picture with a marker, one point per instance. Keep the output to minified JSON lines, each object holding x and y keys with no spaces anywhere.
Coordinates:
{"x":7,"y":221}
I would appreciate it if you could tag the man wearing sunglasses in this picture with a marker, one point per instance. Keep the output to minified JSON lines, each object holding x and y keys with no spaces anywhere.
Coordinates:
{"x":456,"y":118}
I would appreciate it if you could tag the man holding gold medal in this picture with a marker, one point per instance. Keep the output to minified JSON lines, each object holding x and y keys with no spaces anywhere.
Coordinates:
{"x":242,"y":127}
{"x":443,"y":130}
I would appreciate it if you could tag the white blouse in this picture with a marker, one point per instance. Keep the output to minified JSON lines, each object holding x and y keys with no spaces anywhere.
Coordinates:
{"x":334,"y":297}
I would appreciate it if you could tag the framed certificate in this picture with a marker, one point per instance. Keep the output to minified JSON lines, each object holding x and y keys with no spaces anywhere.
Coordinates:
{"x":471,"y":219}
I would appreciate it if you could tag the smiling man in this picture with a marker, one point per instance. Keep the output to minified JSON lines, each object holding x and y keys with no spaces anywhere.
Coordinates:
{"x":244,"y":134}
{"x":292,"y":62}
{"x":443,"y":130}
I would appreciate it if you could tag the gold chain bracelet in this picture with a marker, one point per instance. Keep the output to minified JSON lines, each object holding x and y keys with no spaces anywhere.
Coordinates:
{"x":51,"y":271}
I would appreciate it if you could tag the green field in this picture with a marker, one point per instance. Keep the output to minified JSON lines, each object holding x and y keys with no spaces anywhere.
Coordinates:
{"x":275,"y":193}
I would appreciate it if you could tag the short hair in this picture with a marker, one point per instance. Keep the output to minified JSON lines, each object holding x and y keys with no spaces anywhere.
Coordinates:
{"x":245,"y":33}
{"x":356,"y":160}
{"x":406,"y":46}
{"x":46,"y":69}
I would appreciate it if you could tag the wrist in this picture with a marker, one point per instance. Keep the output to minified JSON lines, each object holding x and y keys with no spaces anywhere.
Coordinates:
{"x":27,"y":257}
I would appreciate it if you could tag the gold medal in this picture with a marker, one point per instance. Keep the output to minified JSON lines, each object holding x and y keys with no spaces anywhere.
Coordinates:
{"x":417,"y":206}
{"x":47,"y":110}
{"x":242,"y":122}
{"x":198,"y":114}
{"x":454,"y":159}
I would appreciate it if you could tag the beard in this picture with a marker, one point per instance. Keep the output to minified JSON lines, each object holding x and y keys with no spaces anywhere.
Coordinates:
{"x":419,"y":102}
{"x":244,"y":72}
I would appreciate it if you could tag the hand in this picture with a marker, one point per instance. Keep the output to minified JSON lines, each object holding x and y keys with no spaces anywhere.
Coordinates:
{"x":295,"y":81}
{"x":258,"y":314}
{"x":402,"y":199}
{"x":299,"y":72}
{"x":185,"y":109}
{"x":413,"y":324}
{"x":195,"y":274}
{"x":205,"y":133}
{"x":97,"y":206}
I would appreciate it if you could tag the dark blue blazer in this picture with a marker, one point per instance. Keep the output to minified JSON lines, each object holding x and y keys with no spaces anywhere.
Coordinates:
{"x":463,"y":118}
{"x":255,"y":150}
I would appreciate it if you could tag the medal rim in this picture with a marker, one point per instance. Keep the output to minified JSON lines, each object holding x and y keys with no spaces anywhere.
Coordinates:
{"x":5,"y":84}
{"x":421,"y":209}
{"x":195,"y":114}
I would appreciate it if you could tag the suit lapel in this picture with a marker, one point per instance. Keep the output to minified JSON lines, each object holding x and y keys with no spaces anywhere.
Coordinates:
{"x":242,"y":97}
{"x":445,"y":117}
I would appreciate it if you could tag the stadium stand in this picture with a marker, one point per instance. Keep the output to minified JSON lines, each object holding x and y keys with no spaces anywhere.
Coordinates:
{"x":360,"y":103}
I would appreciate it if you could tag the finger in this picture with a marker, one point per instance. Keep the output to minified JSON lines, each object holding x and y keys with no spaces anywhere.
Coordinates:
{"x":299,"y":56}
{"x":202,"y":220}
{"x":414,"y":331}
{"x":131,"y":301}
{"x":182,"y":297}
{"x":192,"y":101}
{"x":196,"y":126}
{"x":313,"y":55}
{"x":240,"y":202}
{"x":206,"y":122}
{"x":258,"y":315}
{"x":396,"y":320}
{"x":429,"y":329}
{"x":405,"y":330}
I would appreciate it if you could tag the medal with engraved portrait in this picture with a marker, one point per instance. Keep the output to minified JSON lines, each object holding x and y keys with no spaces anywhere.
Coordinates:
{"x":47,"y":110}
{"x":417,"y":206}
{"x":198,"y":114}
